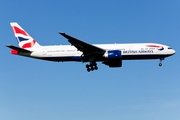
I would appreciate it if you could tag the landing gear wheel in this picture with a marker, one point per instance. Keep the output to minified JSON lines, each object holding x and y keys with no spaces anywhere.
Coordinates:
{"x":160,"y":64}
{"x":96,"y":68}
{"x":92,"y":67}
{"x":87,"y":66}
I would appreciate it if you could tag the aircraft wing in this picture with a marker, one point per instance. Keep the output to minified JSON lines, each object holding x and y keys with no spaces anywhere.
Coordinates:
{"x":83,"y":46}
{"x":17,"y":48}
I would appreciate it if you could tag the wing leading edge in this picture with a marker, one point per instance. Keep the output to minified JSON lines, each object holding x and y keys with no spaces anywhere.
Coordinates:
{"x":83,"y":46}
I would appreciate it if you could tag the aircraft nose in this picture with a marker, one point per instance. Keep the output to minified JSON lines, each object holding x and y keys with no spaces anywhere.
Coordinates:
{"x":173,"y":52}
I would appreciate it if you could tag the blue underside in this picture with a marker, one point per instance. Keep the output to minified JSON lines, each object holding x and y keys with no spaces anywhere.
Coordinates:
{"x":124,"y":57}
{"x":74,"y":58}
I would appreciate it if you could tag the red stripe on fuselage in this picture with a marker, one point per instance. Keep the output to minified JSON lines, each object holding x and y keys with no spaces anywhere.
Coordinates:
{"x":19,"y":31}
{"x":29,"y":45}
{"x":154,"y":46}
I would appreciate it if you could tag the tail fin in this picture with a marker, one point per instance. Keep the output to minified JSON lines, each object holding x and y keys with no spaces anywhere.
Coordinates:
{"x":23,"y":38}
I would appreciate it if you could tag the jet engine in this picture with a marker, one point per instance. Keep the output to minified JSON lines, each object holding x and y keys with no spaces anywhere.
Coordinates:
{"x":113,"y":58}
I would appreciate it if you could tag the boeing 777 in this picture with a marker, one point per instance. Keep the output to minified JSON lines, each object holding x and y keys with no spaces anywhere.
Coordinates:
{"x":80,"y":51}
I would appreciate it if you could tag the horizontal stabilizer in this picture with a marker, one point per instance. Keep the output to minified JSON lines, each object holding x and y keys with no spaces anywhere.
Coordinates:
{"x":18,"y":49}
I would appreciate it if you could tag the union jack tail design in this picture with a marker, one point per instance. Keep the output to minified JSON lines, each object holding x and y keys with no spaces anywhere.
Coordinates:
{"x":23,"y":38}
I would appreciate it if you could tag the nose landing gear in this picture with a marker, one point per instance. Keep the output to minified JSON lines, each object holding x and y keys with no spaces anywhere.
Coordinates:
{"x":92,"y":66}
{"x":160,"y":64}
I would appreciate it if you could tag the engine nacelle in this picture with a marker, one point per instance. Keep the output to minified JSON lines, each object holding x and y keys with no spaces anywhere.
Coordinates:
{"x":113,"y":54}
{"x":113,"y":58}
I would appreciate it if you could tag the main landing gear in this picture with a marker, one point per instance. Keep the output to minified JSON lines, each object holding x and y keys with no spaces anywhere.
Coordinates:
{"x":160,"y":64}
{"x":92,"y":66}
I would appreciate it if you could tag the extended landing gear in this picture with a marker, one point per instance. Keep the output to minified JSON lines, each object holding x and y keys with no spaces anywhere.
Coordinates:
{"x":92,"y":66}
{"x":160,"y":64}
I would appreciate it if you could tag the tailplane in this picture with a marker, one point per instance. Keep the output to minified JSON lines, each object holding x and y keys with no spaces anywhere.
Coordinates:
{"x":23,"y":38}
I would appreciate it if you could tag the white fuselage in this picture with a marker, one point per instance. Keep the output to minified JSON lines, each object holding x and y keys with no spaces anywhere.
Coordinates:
{"x":128,"y":51}
{"x":109,"y":54}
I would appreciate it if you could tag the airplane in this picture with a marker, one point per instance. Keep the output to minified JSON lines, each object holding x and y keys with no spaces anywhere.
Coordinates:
{"x":80,"y":51}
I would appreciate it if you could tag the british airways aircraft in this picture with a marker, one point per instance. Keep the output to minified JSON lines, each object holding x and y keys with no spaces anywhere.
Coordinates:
{"x":109,"y":54}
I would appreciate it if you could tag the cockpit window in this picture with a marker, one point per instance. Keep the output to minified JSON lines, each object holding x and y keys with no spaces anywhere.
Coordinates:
{"x":169,"y":48}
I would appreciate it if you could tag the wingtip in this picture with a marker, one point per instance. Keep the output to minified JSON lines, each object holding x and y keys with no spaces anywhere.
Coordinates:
{"x":61,"y":33}
{"x":7,"y":45}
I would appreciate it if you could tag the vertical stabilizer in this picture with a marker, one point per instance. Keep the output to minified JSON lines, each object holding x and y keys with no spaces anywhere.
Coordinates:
{"x":23,"y":38}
